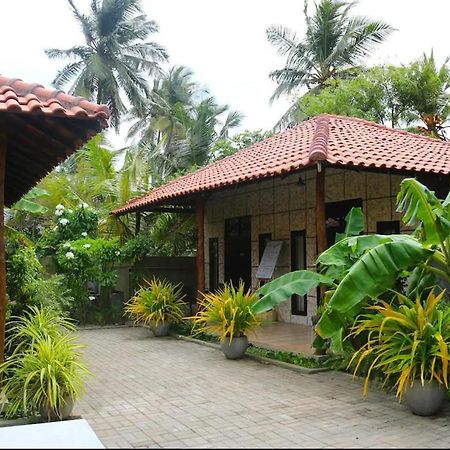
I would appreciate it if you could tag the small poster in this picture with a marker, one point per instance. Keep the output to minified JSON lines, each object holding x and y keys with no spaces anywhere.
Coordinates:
{"x":269,"y":260}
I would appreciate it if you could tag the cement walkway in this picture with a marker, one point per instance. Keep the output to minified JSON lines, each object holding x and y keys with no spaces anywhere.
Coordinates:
{"x":148,"y":392}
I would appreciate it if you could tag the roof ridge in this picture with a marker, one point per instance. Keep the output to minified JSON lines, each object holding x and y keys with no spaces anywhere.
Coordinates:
{"x":380,"y":125}
{"x":318,"y":150}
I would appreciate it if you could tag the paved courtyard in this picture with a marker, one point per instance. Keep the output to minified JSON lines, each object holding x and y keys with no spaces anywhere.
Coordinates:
{"x":148,"y":392}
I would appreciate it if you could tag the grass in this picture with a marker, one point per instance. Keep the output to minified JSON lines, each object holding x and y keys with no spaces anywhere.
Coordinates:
{"x":287,"y":357}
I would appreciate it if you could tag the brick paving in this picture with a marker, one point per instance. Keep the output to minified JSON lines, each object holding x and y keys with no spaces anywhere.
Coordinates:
{"x":167,"y":393}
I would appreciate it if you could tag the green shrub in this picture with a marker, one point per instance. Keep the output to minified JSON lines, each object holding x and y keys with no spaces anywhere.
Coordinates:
{"x":157,"y":301}
{"x":45,"y":368}
{"x":229,"y":312}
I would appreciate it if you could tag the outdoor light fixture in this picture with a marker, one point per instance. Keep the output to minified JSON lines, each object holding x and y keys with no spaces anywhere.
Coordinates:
{"x":300,"y":181}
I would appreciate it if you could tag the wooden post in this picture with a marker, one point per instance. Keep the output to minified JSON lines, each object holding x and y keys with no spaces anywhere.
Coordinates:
{"x":3,"y":143}
{"x":321,"y":231}
{"x":137,"y":227}
{"x":200,"y":263}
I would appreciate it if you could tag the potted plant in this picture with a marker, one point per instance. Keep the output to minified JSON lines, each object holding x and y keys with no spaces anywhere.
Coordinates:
{"x":408,"y":345}
{"x":230,"y":313}
{"x":44,"y":372}
{"x":158,"y":304}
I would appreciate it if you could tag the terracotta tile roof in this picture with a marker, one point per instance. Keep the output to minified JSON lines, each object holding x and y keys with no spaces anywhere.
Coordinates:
{"x":335,"y":140}
{"x":18,"y":96}
{"x":42,"y":128}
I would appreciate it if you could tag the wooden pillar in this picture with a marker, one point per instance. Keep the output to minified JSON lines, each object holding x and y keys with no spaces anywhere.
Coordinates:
{"x":3,"y":144}
{"x":200,"y":263}
{"x":137,"y":227}
{"x":321,"y":231}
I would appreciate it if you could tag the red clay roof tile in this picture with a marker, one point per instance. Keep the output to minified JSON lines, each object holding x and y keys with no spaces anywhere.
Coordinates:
{"x":18,"y":96}
{"x":338,"y":140}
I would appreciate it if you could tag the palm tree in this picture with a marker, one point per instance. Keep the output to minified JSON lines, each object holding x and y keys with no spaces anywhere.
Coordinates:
{"x":333,"y":45}
{"x":116,"y":58}
{"x":161,"y":114}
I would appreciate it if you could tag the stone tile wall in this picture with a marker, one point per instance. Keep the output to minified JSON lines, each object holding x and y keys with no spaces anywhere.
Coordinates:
{"x":281,"y":205}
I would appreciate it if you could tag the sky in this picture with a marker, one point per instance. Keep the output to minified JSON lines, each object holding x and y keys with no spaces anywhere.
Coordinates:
{"x":223,"y":42}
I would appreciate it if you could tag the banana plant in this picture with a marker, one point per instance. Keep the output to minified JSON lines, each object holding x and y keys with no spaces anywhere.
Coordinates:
{"x":301,"y":282}
{"x":357,"y":269}
{"x":422,"y":257}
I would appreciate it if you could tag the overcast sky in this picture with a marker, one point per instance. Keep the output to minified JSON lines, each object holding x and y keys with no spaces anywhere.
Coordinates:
{"x":223,"y":42}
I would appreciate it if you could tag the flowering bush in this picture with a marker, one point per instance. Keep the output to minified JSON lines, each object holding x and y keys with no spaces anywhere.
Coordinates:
{"x":74,"y":224}
{"x":88,"y":260}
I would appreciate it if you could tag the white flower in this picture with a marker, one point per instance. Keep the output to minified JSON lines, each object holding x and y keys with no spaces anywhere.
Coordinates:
{"x":70,"y":211}
{"x":59,"y":212}
{"x":84,"y":205}
{"x":117,"y":253}
{"x":63,"y":221}
{"x":67,"y":244}
{"x":59,"y":207}
{"x":70,"y":255}
{"x":91,"y":298}
{"x":84,"y":234}
{"x":87,"y":245}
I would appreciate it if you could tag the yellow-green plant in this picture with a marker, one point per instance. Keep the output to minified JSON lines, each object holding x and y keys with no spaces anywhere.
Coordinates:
{"x":45,"y":369}
{"x":407,"y":341}
{"x":158,"y":301}
{"x":228,"y":312}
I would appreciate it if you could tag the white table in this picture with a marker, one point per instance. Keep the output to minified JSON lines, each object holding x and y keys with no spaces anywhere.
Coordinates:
{"x":75,"y":433}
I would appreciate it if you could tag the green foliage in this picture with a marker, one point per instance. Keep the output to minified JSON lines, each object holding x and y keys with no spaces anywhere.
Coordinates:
{"x":334,"y":43}
{"x":26,"y":281}
{"x":406,"y":342}
{"x":382,"y":261}
{"x":71,"y":224}
{"x":277,"y":291}
{"x":404,"y":96}
{"x":288,"y":357}
{"x":229,"y":312}
{"x":158,"y":301}
{"x":116,"y":55}
{"x":46,"y":369}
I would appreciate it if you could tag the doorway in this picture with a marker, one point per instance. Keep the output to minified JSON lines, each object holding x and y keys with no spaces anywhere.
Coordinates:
{"x":238,"y":251}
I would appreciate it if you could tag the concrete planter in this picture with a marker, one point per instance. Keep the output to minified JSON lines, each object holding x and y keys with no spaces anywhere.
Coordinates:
{"x":50,"y":415}
{"x":425,"y":400}
{"x":160,"y":330}
{"x":234,"y":348}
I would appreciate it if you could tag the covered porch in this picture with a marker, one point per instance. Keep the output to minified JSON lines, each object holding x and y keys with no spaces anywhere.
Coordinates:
{"x":284,"y":336}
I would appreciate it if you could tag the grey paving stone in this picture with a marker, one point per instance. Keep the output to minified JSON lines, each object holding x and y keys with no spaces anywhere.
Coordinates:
{"x":165,"y":393}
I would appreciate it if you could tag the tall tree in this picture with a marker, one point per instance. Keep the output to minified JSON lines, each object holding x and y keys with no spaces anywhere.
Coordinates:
{"x":333,"y":45}
{"x":116,"y":58}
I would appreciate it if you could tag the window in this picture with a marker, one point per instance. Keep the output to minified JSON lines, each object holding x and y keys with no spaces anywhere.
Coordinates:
{"x":263,"y":239}
{"x":213,"y":263}
{"x":298,"y":262}
{"x":388,"y":227}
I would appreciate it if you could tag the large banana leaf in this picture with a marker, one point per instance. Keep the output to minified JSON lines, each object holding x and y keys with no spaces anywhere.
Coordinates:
{"x":419,"y":206}
{"x":345,"y":252}
{"x":279,"y":290}
{"x":354,"y":224}
{"x":373,"y":274}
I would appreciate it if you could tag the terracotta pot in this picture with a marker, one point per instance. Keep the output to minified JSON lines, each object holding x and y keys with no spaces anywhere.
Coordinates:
{"x":50,"y":415}
{"x":234,"y":348}
{"x":425,"y":400}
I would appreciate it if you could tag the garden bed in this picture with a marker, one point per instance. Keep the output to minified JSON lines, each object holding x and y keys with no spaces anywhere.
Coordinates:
{"x":291,"y":361}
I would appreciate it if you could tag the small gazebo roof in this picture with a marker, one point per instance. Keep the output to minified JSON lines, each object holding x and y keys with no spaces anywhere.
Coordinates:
{"x":43,"y":127}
